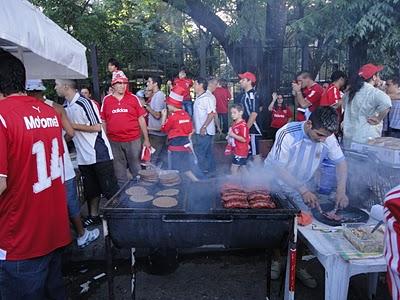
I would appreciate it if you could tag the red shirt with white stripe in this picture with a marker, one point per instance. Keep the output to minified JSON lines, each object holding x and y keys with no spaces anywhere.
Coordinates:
{"x":392,"y":240}
{"x":178,"y":127}
{"x":185,"y":83}
{"x":312,"y":94}
{"x":122,"y":117}
{"x":280,"y":116}
{"x":241,"y":148}
{"x":33,"y":208}
{"x":331,"y":96}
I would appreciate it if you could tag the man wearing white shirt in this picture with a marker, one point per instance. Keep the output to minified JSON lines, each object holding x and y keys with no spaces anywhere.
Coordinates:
{"x":204,"y":124}
{"x":94,"y":156}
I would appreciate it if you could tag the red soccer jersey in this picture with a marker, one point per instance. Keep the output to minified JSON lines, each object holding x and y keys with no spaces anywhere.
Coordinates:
{"x":178,"y":124}
{"x":122,"y":117}
{"x":312,"y":94}
{"x":96,"y":103}
{"x":222,"y":95}
{"x":280,"y":116}
{"x":241,"y":148}
{"x":33,"y":208}
{"x":186,"y":83}
{"x":331,"y":96}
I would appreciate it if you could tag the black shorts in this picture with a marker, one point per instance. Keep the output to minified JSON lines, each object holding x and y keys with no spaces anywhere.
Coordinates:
{"x":98,"y":179}
{"x":239,"y":161}
{"x":254,"y":144}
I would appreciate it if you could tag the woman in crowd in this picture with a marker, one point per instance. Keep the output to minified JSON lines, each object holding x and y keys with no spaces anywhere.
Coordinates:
{"x":281,"y":113}
{"x":365,"y":106}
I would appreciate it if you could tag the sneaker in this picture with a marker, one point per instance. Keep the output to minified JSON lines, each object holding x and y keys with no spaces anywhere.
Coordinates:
{"x":88,"y":237}
{"x":306,"y":278}
{"x":276,"y":270}
{"x":90,"y":220}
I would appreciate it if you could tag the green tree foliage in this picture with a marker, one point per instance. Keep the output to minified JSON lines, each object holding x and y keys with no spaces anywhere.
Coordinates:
{"x":119,"y":28}
{"x":337,"y":24}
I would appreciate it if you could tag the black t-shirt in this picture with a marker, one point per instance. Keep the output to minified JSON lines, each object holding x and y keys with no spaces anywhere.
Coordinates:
{"x":251,"y":103}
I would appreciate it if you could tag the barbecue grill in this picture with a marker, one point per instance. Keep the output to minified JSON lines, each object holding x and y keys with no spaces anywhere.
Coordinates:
{"x":198,"y":220}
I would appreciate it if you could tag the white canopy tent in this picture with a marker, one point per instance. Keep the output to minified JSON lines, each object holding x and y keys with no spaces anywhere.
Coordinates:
{"x":48,"y":52}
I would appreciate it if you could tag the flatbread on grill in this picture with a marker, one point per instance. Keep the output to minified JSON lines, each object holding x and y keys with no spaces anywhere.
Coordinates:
{"x":136,"y":191}
{"x":168,"y":175}
{"x":168,"y":192}
{"x":165,"y":202}
{"x":146,"y":183}
{"x":141,"y":198}
{"x":148,"y":173}
{"x":171,"y":184}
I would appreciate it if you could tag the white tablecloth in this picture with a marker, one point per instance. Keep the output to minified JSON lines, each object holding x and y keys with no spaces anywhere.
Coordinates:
{"x":337,"y":270}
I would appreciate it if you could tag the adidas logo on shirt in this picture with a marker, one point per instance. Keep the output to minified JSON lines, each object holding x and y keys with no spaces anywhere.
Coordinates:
{"x":119,"y":110}
{"x":37,"y":122}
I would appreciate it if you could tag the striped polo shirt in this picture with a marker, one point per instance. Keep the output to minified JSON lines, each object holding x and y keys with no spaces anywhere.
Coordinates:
{"x":394,"y":115}
{"x":298,"y":154}
{"x":91,"y":147}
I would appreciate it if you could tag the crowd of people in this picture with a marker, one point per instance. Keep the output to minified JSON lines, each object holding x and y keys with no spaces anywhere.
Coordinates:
{"x":38,"y":182}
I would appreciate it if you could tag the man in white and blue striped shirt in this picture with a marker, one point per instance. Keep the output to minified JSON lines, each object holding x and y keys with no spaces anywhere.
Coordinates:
{"x":298,"y":151}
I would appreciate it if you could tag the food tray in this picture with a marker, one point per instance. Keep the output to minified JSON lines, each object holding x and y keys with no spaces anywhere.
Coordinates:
{"x":357,"y":235}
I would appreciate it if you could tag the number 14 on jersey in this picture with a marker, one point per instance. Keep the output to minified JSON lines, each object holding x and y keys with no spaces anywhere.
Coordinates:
{"x":56,"y":165}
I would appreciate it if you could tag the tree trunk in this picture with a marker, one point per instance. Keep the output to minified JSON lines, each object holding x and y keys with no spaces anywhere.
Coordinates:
{"x":273,"y":57}
{"x":247,"y":54}
{"x":357,"y":55}
{"x":202,"y":52}
{"x":305,"y":57}
{"x":398,"y":63}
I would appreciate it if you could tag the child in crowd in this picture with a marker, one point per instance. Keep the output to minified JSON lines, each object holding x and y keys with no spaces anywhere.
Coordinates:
{"x":238,"y":140}
{"x":113,"y":67}
{"x":186,"y":83}
{"x":177,"y":124}
{"x":281,"y":113}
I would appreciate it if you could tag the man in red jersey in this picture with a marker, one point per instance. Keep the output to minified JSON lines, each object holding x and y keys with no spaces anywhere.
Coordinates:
{"x":33,"y":208}
{"x":333,"y":96}
{"x":123,"y":121}
{"x":307,"y":94}
{"x":223,"y":96}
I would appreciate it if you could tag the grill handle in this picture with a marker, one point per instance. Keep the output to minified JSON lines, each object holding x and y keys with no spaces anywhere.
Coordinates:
{"x":179,"y":219}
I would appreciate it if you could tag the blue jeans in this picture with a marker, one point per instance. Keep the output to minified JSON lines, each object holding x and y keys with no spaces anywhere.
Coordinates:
{"x":183,"y":161}
{"x":74,"y":208}
{"x":205,"y":153}
{"x":188,"y":107}
{"x":223,"y":119}
{"x":32,"y":279}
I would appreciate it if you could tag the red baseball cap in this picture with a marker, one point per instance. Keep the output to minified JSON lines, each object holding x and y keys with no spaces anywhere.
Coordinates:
{"x":369,"y":70}
{"x":248,"y":75}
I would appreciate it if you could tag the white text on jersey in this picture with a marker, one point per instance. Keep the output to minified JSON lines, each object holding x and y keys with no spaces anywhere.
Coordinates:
{"x":37,"y":122}
{"x":119,"y":110}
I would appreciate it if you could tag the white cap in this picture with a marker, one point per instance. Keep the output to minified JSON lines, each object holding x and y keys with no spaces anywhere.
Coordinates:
{"x":35,"y":85}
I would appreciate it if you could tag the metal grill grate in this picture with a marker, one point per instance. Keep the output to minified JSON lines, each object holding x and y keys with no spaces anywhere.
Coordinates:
{"x":370,"y":179}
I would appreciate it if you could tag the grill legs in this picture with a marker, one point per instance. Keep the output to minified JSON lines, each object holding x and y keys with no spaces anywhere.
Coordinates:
{"x":268,"y":257}
{"x":109,"y":264}
{"x":133,"y":274}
